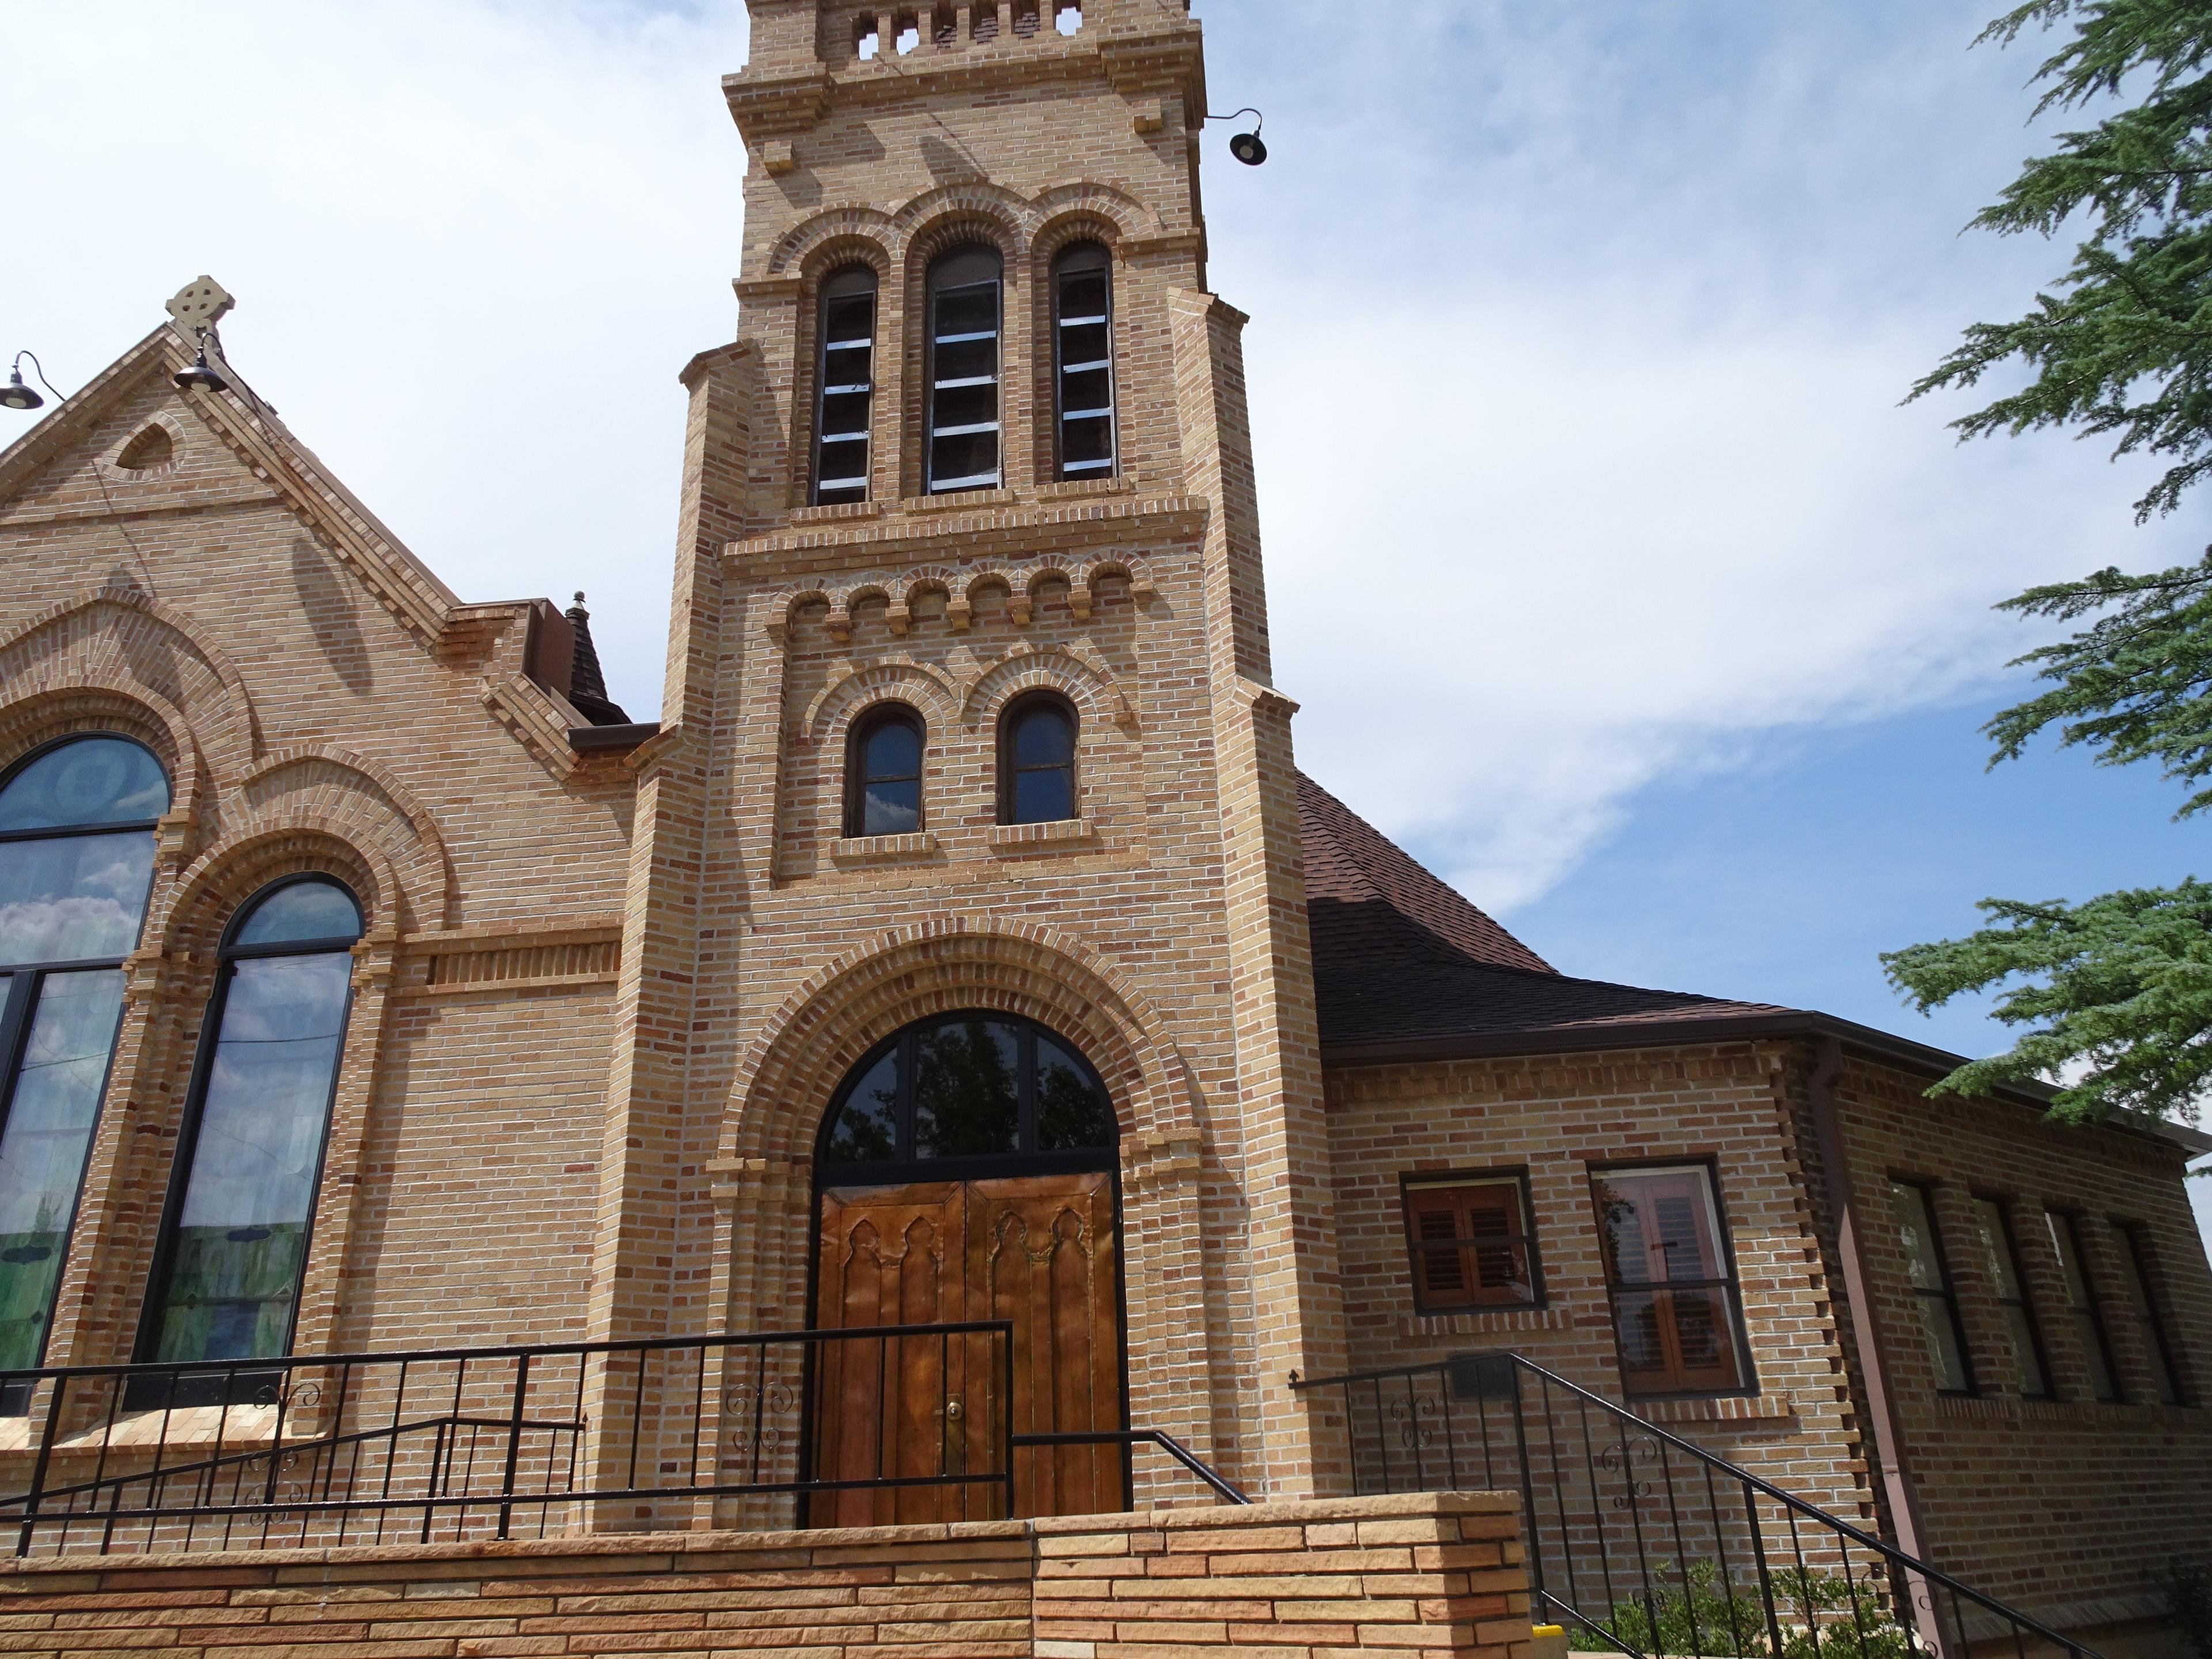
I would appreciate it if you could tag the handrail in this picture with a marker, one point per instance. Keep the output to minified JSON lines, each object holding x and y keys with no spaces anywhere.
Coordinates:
{"x":1173,"y":1447}
{"x":1513,"y":1365}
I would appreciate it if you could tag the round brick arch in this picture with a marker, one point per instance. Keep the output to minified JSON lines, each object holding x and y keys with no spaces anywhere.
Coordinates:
{"x":826,"y":1026}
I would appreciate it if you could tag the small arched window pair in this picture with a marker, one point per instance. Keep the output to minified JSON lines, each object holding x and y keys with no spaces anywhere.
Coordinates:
{"x":1036,"y":766}
{"x":963,"y":373}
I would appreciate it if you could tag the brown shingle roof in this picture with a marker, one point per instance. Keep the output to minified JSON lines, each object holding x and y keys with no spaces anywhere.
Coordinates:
{"x":1401,"y":959}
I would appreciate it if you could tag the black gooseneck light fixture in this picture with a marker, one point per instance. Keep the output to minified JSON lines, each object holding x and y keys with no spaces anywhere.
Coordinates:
{"x":1246,"y":146}
{"x":16,"y":394}
{"x":200,"y":377}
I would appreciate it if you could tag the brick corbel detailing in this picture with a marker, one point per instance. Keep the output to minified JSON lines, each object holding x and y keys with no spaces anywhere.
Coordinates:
{"x":1423,"y":1576}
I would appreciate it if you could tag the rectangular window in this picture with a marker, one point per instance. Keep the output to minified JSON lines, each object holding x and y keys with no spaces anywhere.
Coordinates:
{"x":2082,"y":1305}
{"x":2135,"y":1264}
{"x":1931,"y":1286}
{"x":963,"y":373}
{"x":1675,"y":1311}
{"x":1471,"y":1243}
{"x":2002,"y":1251}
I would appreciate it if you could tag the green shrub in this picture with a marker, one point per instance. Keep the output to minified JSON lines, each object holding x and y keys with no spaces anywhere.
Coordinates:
{"x":1822,"y":1616}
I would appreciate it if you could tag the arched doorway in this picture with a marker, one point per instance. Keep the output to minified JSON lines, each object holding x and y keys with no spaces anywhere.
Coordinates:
{"x":966,"y":1170}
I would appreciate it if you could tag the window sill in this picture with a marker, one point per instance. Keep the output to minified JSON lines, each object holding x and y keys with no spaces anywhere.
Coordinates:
{"x":841,"y":510}
{"x":960,"y":501}
{"x":1038,"y":834}
{"x":1478,"y":1322}
{"x":878,"y":850}
{"x":1717,"y":1408}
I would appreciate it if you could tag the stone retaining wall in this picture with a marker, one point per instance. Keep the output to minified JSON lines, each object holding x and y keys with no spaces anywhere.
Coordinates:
{"x":1432,"y":1574}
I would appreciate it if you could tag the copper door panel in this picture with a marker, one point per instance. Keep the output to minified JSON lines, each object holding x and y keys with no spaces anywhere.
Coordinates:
{"x":1043,"y":1255}
{"x":891,"y":1407}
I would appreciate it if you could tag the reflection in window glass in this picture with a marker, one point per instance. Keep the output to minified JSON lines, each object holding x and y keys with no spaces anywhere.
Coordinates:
{"x":241,"y":1237}
{"x":1674,"y":1291}
{"x":2003,"y":1254}
{"x":85,"y":784}
{"x":43,"y":1148}
{"x":967,"y":1101}
{"x":2081,"y":1304}
{"x":888,"y":788}
{"x":1931,"y":1286}
{"x":1071,"y":1112}
{"x":305,"y":912}
{"x":73,"y":898}
{"x":971,"y":1086}
{"x":866,"y":1130}
{"x":1040,"y":759}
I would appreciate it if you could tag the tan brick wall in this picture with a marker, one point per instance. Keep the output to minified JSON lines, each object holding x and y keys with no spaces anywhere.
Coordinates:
{"x":1439,"y":1575}
{"x":2119,"y":1487}
{"x":1556,"y":1116}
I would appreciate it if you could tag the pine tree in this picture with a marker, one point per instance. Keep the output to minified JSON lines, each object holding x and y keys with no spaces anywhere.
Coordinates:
{"x":2118,"y":987}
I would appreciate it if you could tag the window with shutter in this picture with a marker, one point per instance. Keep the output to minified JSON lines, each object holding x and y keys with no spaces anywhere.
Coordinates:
{"x":1471,"y":1243}
{"x":1676,"y":1312}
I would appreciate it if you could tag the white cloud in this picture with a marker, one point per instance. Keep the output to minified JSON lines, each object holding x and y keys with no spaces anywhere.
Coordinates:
{"x":472,"y":244}
{"x":1578,"y":444}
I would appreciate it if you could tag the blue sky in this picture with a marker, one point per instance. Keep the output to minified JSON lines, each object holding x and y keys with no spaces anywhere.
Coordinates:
{"x":1609,"y":573}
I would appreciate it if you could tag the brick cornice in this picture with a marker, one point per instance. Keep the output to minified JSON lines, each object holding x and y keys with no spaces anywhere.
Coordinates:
{"x":911,"y":533}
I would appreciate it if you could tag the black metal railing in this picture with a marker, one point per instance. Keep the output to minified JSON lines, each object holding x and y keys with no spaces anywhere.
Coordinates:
{"x":1645,"y":1544}
{"x":449,"y":1444}
{"x":895,"y":1423}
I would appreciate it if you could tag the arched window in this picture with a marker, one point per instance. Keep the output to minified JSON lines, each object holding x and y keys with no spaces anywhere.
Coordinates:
{"x":1037,"y":759}
{"x":962,"y":371}
{"x":1083,"y":360}
{"x":76,"y":861}
{"x":225,"y":1283}
{"x":960,"y":1092}
{"x":883,"y":772}
{"x":845,"y":377}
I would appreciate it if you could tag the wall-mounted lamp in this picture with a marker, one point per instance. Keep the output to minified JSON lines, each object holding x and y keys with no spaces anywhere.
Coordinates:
{"x":200,"y":377}
{"x":16,"y":394}
{"x":1246,"y":146}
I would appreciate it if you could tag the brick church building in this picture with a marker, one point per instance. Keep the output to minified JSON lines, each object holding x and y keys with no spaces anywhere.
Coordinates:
{"x":963,"y":942}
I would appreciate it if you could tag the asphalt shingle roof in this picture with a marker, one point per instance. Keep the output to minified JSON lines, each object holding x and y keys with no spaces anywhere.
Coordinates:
{"x":1399,"y":957}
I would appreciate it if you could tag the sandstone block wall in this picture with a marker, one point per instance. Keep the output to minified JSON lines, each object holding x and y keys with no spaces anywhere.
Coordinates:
{"x":1436,"y":1577}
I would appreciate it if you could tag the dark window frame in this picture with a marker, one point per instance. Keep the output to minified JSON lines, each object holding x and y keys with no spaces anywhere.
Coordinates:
{"x":907,"y":1166}
{"x":1947,"y":1294}
{"x":2089,"y":1315}
{"x":26,"y":984}
{"x":207,"y":1382}
{"x":871,"y":720}
{"x":1016,"y":710}
{"x":2139,"y":1257}
{"x":1516,"y":1176}
{"x":1740,"y":1330}
{"x":934,"y":285}
{"x":2009,"y":1240}
{"x":1064,"y":266}
{"x":859,"y":279}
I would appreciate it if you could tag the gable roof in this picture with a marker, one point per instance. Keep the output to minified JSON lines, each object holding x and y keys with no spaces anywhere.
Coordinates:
{"x":1403,"y":965}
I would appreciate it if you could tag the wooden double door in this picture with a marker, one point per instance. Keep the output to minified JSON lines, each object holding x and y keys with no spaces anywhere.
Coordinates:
{"x":1040,"y":1251}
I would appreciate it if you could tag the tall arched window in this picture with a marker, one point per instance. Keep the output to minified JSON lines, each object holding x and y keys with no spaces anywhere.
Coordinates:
{"x":1037,"y":759}
{"x":1083,"y":360}
{"x":235,"y":1240}
{"x":76,"y":861}
{"x":964,"y":370}
{"x":883,"y":772}
{"x":845,"y":377}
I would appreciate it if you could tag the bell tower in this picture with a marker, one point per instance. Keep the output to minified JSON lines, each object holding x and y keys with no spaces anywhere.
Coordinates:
{"x":969,"y":708}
